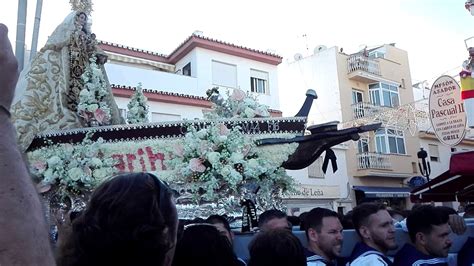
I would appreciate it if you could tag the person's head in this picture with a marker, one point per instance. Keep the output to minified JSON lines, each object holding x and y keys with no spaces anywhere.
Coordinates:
{"x":396,"y":215}
{"x":222,"y":225}
{"x":347,"y":220}
{"x":324,"y":233}
{"x":277,"y":247}
{"x":131,"y":219}
{"x":203,"y":244}
{"x":302,"y":221}
{"x":374,"y":225}
{"x":469,"y":211}
{"x":273,"y":219}
{"x":429,"y":230}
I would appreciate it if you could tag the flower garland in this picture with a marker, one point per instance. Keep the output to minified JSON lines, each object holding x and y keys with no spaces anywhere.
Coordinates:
{"x":77,"y":169}
{"x":237,"y":105}
{"x":92,"y":107}
{"x":214,"y":162}
{"x":138,"y":107}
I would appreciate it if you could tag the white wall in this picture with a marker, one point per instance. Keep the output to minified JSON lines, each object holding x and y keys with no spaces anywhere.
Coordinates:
{"x":204,"y":59}
{"x":442,"y":165}
{"x":317,"y":72}
{"x":340,"y":178}
{"x":185,"y":111}
{"x":152,"y":79}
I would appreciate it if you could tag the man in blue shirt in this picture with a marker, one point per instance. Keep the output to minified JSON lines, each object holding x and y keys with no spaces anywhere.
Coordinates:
{"x":429,"y":232}
{"x":324,"y":234}
{"x":374,"y":225}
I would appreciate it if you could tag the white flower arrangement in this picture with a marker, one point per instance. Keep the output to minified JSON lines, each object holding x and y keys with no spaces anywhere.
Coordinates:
{"x":92,"y":107}
{"x":216,"y":162}
{"x":138,"y":107}
{"x":77,"y":169}
{"x":239,"y":104}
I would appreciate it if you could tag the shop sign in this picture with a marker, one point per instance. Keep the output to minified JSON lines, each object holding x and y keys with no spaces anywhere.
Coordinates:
{"x":315,"y":192}
{"x":446,"y":111}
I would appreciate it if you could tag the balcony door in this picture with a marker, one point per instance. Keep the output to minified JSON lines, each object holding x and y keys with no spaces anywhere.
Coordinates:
{"x":357,"y":103}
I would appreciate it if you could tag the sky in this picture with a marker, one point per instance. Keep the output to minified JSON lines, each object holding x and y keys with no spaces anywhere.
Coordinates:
{"x":431,"y":31}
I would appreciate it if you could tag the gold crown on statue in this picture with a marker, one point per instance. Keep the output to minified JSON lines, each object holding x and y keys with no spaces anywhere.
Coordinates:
{"x":82,"y":6}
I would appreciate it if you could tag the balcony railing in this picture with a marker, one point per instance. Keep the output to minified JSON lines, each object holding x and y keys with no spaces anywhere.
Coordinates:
{"x":370,"y":160}
{"x":362,"y":109}
{"x":363,"y":63}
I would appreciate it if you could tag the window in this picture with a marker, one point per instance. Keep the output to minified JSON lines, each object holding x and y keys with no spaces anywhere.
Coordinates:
{"x":162,"y":117}
{"x":123,"y":113}
{"x":224,"y":74}
{"x":390,"y":141}
{"x":376,"y":54}
{"x":187,"y":69}
{"x":259,"y":81}
{"x":363,"y":145}
{"x":357,"y":101}
{"x":433,"y":152}
{"x":315,"y":170}
{"x":384,"y":94}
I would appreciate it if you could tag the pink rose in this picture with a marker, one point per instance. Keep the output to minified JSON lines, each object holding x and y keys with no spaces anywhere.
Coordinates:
{"x":100,"y":116}
{"x":42,"y":188}
{"x":238,"y":95}
{"x":179,"y":150}
{"x":87,"y":171}
{"x":196,"y":165}
{"x":223,"y":130}
{"x":39,"y":165}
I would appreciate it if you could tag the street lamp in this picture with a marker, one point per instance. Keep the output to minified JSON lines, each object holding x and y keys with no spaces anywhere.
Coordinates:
{"x":424,"y":166}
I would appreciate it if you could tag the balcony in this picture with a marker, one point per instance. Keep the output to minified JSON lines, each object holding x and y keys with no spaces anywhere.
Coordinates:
{"x":363,"y":69}
{"x":370,"y":160}
{"x":362,"y":109}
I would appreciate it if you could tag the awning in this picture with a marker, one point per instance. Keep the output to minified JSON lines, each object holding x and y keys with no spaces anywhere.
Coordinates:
{"x":384,"y":192}
{"x":455,"y":184}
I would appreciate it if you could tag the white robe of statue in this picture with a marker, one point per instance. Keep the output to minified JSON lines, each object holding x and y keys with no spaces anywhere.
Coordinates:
{"x":48,"y":88}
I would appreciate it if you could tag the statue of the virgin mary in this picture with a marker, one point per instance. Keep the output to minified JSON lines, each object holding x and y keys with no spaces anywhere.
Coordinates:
{"x":49,"y":90}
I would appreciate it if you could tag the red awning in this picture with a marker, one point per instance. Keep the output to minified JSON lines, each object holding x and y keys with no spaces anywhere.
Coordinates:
{"x":456,"y":184}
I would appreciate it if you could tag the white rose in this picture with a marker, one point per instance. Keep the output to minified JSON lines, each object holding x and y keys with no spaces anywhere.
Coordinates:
{"x":252,"y":163}
{"x":48,"y":176}
{"x":249,"y":112}
{"x":75,"y":173}
{"x":213,"y":157}
{"x":53,"y":161}
{"x":99,"y":173}
{"x":201,"y":134}
{"x":236,"y":157}
{"x":92,"y":107}
{"x":222,"y":138}
{"x":96,"y":162}
{"x":226,"y":170}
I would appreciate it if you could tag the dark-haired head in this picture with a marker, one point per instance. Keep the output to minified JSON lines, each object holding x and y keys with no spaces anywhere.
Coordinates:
{"x":361,"y":213}
{"x":314,"y":219}
{"x":276,"y":248}
{"x":131,"y":219}
{"x":202,"y":244}
{"x":374,"y":225}
{"x":429,"y":230}
{"x":222,"y":225}
{"x":273,"y":219}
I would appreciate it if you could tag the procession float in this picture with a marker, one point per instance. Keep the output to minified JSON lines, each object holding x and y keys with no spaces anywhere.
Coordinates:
{"x":70,"y":128}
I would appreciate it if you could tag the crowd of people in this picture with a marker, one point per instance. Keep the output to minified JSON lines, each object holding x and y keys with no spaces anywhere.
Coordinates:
{"x":132,"y":219}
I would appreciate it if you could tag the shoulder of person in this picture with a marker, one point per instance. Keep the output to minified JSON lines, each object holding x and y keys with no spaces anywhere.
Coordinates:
{"x":370,"y":258}
{"x":316,"y":263}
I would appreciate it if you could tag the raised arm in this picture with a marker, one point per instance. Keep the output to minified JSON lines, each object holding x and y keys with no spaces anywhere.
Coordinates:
{"x":23,"y":232}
